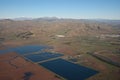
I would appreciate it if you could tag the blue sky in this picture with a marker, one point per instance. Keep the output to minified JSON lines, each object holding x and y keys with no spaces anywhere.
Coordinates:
{"x":80,"y":9}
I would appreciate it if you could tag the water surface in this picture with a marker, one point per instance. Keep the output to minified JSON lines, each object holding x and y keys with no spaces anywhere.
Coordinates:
{"x":25,"y":49}
{"x":69,"y":70}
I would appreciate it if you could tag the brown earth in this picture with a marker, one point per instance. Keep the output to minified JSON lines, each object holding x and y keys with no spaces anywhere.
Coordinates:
{"x":15,"y":67}
{"x":64,"y":49}
{"x":106,"y":71}
{"x":115,"y":57}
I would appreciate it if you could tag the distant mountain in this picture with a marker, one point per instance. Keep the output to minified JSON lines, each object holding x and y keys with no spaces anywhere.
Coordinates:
{"x":53,"y":25}
{"x":6,"y":20}
{"x":46,"y":19}
{"x":22,"y":19}
{"x":55,"y":18}
{"x":108,"y":21}
{"x":114,"y":23}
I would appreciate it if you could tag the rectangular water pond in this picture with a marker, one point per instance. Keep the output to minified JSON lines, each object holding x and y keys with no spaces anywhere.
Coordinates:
{"x":29,"y":49}
{"x":42,"y":56}
{"x":25,"y":49}
{"x":68,"y":70}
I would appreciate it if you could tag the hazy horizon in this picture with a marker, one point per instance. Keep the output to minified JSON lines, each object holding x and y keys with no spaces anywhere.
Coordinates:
{"x":30,"y":18}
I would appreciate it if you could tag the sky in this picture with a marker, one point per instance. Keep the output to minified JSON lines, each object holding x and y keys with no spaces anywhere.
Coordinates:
{"x":78,"y":9}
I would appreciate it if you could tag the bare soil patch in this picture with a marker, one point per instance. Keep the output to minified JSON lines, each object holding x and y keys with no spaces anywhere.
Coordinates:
{"x":14,"y":67}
